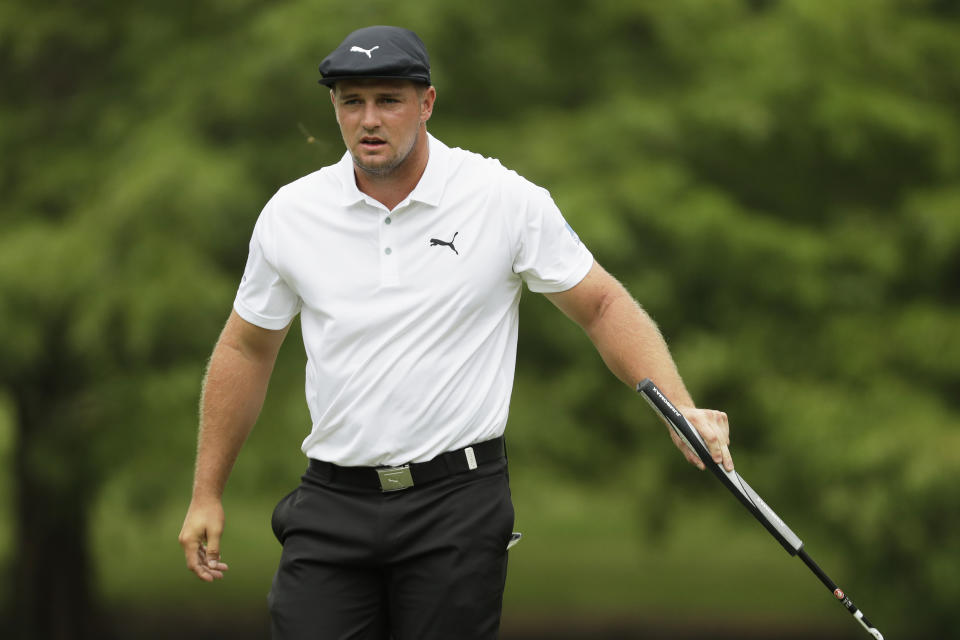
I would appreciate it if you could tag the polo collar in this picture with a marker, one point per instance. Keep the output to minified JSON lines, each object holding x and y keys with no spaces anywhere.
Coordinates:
{"x":429,"y":189}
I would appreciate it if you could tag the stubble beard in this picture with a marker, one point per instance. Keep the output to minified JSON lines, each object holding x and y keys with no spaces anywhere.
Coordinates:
{"x":384,"y":170}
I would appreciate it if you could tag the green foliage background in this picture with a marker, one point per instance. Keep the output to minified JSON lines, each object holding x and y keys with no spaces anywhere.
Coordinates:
{"x":777,"y":182}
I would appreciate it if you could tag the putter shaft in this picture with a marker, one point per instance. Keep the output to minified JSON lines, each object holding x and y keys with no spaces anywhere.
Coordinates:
{"x":746,"y":495}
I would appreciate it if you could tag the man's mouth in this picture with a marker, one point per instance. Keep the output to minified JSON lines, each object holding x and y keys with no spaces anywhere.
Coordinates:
{"x":372,"y":142}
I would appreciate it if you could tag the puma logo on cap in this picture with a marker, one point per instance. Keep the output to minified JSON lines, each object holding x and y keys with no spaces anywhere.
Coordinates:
{"x":369,"y":52}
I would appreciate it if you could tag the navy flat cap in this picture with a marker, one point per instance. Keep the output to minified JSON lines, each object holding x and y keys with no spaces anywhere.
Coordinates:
{"x":378,"y":52}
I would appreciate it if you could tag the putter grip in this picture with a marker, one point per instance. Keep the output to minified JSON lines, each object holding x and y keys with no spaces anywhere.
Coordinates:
{"x":730,"y":479}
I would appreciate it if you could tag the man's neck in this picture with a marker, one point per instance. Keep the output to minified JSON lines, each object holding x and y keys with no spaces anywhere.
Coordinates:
{"x":393,"y":188}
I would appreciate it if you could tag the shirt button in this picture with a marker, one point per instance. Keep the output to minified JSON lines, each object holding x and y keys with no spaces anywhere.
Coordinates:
{"x":387,"y":221}
{"x":388,"y":251}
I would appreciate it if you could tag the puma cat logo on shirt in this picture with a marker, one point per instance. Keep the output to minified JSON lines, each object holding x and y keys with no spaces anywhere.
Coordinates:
{"x":436,"y":243}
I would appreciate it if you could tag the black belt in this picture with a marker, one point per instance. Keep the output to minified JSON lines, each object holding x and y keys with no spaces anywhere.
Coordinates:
{"x":415,"y":473}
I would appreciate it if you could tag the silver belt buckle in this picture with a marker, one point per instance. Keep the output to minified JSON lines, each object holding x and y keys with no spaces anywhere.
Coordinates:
{"x":395,"y":478}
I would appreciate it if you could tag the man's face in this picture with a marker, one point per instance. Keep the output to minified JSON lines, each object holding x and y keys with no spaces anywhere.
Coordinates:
{"x":380,"y":120}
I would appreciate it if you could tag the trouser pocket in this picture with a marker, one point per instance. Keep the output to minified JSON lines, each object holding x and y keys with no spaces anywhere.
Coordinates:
{"x":280,"y":512}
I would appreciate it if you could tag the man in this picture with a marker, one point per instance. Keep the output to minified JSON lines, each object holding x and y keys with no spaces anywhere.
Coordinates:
{"x":405,"y":261}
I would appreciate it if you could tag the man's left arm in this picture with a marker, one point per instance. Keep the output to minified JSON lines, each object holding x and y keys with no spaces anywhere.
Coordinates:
{"x":632,"y":347}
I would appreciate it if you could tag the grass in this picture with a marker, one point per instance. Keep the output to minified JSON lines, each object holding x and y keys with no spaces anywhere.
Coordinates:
{"x":584,"y":556}
{"x":584,"y":553}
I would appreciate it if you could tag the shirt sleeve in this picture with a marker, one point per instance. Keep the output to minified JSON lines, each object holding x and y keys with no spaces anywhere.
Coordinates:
{"x":551,"y":257}
{"x":264,"y":298}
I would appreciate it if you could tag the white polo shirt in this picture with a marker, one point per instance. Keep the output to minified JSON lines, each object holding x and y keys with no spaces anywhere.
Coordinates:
{"x":409,"y":316}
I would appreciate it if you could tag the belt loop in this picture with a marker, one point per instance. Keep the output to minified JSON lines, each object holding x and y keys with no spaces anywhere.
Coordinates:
{"x":471,"y":458}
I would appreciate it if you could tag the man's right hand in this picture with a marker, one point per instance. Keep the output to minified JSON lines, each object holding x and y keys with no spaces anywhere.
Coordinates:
{"x":200,"y":539}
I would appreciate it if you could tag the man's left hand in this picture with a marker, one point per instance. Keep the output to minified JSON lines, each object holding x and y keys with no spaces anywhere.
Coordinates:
{"x":715,"y":431}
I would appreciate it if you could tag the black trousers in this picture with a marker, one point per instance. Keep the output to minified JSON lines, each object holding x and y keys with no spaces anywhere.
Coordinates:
{"x":424,"y":563}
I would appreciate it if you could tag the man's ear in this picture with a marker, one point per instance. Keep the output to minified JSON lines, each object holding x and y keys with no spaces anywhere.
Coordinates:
{"x":426,"y":103}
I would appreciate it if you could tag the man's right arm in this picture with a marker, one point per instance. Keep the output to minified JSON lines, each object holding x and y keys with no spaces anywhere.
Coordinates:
{"x":233,"y":393}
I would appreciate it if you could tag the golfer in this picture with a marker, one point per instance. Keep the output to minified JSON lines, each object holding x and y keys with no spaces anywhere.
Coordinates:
{"x":405,"y":261}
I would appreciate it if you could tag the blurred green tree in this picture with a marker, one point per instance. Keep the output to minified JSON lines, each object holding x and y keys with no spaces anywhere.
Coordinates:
{"x":128,"y":200}
{"x":777,"y":184}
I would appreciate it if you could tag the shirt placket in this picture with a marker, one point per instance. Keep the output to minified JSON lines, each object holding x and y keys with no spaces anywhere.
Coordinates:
{"x":389,"y":254}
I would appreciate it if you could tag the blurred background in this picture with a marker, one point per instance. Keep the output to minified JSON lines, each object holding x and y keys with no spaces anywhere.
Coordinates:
{"x":777,"y":182}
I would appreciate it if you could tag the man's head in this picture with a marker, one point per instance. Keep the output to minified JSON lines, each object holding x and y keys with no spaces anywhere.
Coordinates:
{"x":381,"y":92}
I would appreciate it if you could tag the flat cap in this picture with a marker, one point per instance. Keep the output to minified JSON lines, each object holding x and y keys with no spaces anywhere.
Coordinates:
{"x":378,"y":52}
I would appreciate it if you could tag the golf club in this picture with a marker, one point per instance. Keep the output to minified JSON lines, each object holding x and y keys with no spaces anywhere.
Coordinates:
{"x":746,"y":495}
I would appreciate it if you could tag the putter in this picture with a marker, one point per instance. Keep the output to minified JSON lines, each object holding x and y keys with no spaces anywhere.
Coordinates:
{"x":746,"y":495}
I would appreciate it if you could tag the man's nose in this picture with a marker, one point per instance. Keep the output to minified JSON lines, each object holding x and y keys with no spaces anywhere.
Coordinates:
{"x":371,"y":116}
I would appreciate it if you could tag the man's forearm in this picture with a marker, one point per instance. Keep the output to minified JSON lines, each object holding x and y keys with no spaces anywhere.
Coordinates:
{"x":626,"y":337}
{"x":233,"y":393}
{"x":632,"y":346}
